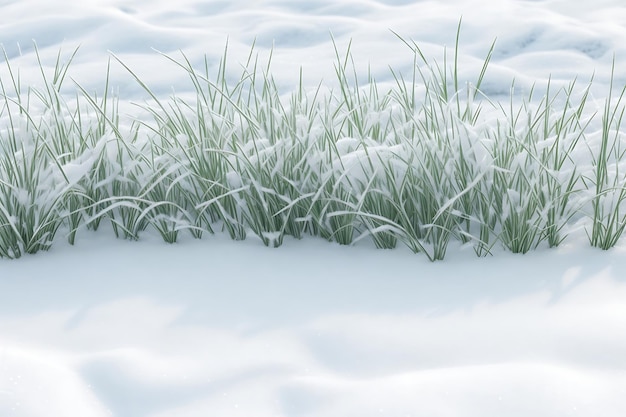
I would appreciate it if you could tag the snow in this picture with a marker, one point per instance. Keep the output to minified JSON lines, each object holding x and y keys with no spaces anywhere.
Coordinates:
{"x":232,"y":328}
{"x":222,"y":328}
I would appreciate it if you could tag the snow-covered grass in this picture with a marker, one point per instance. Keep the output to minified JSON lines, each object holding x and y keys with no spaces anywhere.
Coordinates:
{"x":428,"y":161}
{"x":213,"y":326}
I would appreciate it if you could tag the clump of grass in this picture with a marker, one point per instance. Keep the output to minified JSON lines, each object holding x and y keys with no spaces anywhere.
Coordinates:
{"x":39,"y":168}
{"x":608,"y":179}
{"x":346,"y":164}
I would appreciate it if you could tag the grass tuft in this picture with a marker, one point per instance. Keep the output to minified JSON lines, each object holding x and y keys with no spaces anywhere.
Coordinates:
{"x":429,"y":162}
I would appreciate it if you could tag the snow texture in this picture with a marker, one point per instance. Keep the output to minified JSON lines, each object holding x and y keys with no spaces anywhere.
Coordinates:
{"x":223,"y":328}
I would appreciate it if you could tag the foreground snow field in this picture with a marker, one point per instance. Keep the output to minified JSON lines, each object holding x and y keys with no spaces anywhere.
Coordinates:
{"x":221,"y":328}
{"x":235,"y":329}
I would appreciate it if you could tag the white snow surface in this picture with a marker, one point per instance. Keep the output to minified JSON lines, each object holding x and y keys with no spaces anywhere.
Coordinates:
{"x":222,"y":328}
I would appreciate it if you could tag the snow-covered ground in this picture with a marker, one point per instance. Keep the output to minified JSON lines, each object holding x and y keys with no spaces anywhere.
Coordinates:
{"x":223,"y":328}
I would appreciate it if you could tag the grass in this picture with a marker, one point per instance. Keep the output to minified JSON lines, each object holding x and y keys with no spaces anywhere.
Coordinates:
{"x":348,"y":164}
